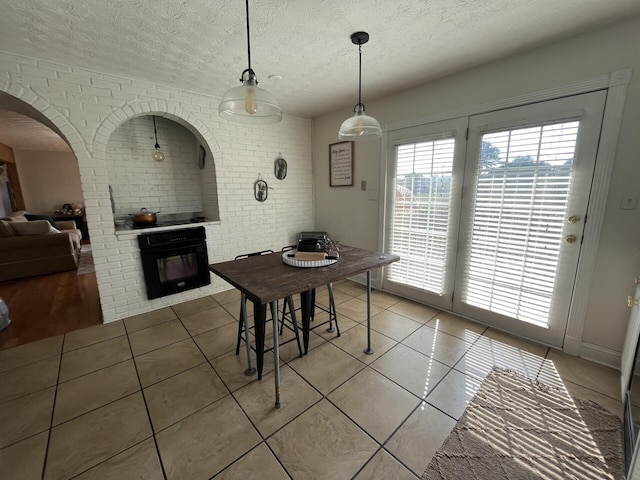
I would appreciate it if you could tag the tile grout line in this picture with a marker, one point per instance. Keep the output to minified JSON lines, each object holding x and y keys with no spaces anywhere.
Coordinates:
{"x":146,"y":406}
{"x":53,"y":407}
{"x":230,"y":394}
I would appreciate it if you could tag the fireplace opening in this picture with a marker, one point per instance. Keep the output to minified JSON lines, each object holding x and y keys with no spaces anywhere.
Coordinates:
{"x":174,"y":261}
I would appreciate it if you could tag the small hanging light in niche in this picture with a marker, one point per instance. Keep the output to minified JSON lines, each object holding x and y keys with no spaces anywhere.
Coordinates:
{"x":158,"y":156}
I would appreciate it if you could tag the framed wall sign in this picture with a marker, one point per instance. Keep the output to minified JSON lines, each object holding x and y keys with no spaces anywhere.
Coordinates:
{"x":341,"y":164}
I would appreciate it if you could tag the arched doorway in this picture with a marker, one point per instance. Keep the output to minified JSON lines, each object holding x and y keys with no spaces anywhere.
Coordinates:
{"x":43,"y":172}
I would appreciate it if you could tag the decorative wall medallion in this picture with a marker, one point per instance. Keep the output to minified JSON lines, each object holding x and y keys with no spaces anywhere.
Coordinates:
{"x":260,"y":188}
{"x":280,"y":167}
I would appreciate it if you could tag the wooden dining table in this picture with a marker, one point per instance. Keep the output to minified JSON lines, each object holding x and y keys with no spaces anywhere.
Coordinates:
{"x":265,"y":279}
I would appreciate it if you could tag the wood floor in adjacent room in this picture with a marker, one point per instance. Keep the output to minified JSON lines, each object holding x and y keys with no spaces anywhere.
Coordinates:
{"x":49,"y":305}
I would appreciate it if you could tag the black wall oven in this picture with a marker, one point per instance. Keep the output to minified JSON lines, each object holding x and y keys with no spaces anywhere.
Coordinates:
{"x":174,"y":261}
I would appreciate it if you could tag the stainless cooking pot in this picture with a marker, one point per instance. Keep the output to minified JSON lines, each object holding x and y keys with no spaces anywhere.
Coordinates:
{"x":144,"y":217}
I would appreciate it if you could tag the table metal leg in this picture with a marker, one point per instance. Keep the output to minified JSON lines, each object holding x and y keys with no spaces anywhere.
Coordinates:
{"x":259,"y":314}
{"x":243,"y":313}
{"x":276,"y":350}
{"x":368,"y":350}
{"x":306,"y":300}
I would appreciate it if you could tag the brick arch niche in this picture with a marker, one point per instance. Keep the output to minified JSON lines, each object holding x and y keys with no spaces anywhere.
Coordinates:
{"x":181,"y":186}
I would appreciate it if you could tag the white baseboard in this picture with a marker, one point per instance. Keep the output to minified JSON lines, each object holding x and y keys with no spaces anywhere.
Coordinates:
{"x":601,"y":355}
{"x":362,"y":279}
{"x":572,"y":345}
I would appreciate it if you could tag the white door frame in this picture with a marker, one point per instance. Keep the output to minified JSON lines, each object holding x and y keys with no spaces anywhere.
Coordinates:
{"x":616,"y":83}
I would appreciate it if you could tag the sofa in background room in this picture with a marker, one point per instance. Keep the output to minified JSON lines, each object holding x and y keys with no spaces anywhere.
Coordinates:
{"x":35,"y":245}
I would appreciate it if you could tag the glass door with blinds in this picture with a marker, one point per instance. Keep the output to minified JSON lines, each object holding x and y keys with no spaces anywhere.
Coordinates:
{"x":424,"y":187}
{"x":491,"y":227}
{"x":529,"y":173}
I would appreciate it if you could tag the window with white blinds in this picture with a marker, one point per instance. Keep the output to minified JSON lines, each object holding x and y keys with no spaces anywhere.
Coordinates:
{"x":522,"y":191}
{"x":420,"y":218}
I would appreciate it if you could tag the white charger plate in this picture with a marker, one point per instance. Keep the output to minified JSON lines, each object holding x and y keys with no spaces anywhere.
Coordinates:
{"x":305,"y":263}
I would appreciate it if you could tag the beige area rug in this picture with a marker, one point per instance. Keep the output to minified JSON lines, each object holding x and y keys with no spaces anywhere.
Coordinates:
{"x":85,"y":265}
{"x":517,"y":428}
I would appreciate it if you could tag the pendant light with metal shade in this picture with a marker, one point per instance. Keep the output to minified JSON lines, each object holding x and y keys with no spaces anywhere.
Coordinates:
{"x":360,"y":127}
{"x":249,"y":103}
{"x":158,"y":156}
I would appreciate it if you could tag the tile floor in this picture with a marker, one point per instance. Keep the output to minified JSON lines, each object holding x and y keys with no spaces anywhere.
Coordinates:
{"x":162,"y":395}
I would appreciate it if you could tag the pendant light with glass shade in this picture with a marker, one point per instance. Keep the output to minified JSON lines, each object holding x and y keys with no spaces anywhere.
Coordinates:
{"x":249,"y":103}
{"x":360,"y":127}
{"x":158,"y":156}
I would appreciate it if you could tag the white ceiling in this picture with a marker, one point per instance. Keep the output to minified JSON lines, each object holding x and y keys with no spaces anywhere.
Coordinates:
{"x":200,"y":45}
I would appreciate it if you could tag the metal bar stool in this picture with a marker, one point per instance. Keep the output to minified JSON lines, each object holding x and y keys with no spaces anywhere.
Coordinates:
{"x":333,"y":317}
{"x":243,"y":324}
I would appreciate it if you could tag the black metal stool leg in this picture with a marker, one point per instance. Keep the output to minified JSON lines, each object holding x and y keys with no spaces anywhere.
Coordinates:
{"x":243,"y":322}
{"x":284,"y":312}
{"x":333,"y":316}
{"x":240,"y":326}
{"x":276,"y":352}
{"x":294,"y":321}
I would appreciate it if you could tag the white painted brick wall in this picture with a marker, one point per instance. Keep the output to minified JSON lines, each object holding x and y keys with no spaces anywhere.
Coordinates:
{"x":137,"y":181}
{"x":88,"y":107}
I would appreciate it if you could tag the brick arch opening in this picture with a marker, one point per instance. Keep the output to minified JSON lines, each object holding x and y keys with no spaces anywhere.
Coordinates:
{"x":29,"y":312}
{"x":174,"y":113}
{"x":23,"y":101}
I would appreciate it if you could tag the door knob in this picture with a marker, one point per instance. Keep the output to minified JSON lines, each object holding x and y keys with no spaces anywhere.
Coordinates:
{"x":570,"y":239}
{"x":573,"y":219}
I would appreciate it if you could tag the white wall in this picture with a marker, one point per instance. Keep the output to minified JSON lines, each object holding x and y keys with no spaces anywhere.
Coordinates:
{"x":349,"y":215}
{"x":88,"y":107}
{"x":48,"y":180}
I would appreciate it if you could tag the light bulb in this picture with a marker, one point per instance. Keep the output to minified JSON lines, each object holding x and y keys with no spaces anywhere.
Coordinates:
{"x":250,"y":104}
{"x":158,"y":156}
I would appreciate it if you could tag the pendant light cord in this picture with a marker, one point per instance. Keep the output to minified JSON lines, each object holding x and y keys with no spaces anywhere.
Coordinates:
{"x":248,"y":39}
{"x":155,"y":132}
{"x":359,"y":73}
{"x":249,"y":70}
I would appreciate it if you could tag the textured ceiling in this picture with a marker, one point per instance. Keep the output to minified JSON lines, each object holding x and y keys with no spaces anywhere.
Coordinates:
{"x":200,"y":45}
